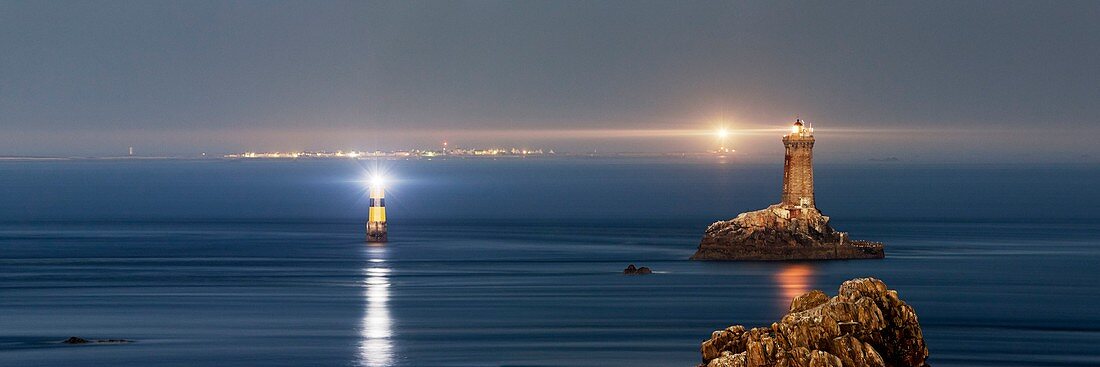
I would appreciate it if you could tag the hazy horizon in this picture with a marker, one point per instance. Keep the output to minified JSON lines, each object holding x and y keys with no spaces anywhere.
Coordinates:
{"x":923,"y":82}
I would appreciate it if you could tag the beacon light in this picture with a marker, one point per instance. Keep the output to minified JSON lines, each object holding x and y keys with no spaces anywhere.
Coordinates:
{"x":722,"y":133}
{"x":376,"y":219}
{"x":377,"y":181}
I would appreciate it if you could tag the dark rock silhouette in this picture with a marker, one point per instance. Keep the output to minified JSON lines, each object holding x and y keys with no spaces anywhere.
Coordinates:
{"x":76,"y":340}
{"x":79,"y":340}
{"x":631,"y":270}
{"x":866,"y":324}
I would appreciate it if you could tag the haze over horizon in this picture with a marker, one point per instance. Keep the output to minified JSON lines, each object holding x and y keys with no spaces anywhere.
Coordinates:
{"x":928,"y":82}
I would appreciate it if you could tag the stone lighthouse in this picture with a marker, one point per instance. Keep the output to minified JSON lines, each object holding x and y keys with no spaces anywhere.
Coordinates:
{"x":793,"y":229}
{"x":376,"y":220}
{"x":798,"y":168}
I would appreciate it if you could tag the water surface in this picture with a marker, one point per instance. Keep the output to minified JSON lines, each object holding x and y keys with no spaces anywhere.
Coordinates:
{"x":516,"y":263}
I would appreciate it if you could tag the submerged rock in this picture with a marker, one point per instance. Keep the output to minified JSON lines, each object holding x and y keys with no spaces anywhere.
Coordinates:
{"x":866,"y":324}
{"x":781,"y":233}
{"x":631,"y":270}
{"x":79,"y":340}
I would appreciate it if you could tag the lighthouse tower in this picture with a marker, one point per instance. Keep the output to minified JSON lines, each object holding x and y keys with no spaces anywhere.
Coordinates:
{"x":376,"y":220}
{"x":798,"y":169}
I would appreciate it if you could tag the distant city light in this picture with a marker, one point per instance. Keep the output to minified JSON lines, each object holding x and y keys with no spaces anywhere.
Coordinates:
{"x":446,"y":151}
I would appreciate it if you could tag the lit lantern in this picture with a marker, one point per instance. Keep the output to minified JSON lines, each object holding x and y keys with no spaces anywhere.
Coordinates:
{"x":376,"y":220}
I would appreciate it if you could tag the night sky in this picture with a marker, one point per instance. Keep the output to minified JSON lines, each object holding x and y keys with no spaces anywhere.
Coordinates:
{"x":955,"y":81}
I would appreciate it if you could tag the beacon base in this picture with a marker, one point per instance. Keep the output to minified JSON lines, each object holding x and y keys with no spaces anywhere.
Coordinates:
{"x":376,"y":232}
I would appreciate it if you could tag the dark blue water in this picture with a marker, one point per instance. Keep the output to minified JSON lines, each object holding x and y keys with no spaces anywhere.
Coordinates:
{"x":515,"y":263}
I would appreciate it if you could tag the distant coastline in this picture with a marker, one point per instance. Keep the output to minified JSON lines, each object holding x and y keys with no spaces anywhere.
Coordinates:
{"x":318,"y":157}
{"x":75,"y":158}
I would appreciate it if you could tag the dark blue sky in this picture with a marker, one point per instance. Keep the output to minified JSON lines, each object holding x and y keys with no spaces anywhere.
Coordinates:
{"x":922,"y":81}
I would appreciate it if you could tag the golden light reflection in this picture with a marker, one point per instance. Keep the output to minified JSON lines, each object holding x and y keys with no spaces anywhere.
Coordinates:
{"x":376,"y":328}
{"x":793,"y":280}
{"x":722,"y":133}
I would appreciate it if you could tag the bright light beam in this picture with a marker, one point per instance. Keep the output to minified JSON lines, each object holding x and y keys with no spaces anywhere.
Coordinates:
{"x":722,"y":133}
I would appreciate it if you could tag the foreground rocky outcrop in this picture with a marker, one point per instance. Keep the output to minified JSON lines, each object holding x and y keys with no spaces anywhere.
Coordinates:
{"x":866,"y":324}
{"x":779,"y":233}
{"x":631,"y":270}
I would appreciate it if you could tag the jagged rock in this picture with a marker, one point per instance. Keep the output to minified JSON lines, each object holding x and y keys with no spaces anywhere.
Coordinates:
{"x":823,"y":359}
{"x":865,"y":325}
{"x":631,"y":270}
{"x":809,"y":300}
{"x":76,"y":340}
{"x":781,"y":233}
{"x":853,"y":352}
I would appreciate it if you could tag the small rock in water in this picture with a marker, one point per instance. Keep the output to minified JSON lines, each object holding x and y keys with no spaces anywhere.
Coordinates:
{"x":76,"y":340}
{"x":79,"y":340}
{"x":631,"y":270}
{"x":114,"y":341}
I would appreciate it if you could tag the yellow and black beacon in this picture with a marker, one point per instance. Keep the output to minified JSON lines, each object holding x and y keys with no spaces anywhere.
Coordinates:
{"x":376,"y":220}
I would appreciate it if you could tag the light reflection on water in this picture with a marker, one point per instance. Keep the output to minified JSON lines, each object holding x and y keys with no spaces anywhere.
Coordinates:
{"x":793,"y":281}
{"x":376,"y":345}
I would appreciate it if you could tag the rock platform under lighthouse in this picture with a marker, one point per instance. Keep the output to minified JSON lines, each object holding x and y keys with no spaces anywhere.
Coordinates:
{"x":779,"y":233}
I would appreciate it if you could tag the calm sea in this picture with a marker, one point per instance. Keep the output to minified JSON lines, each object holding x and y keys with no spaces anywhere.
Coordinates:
{"x":516,"y":262}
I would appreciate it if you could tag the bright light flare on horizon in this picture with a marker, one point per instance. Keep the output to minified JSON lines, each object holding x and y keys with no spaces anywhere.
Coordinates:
{"x":586,"y":134}
{"x":722,"y":133}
